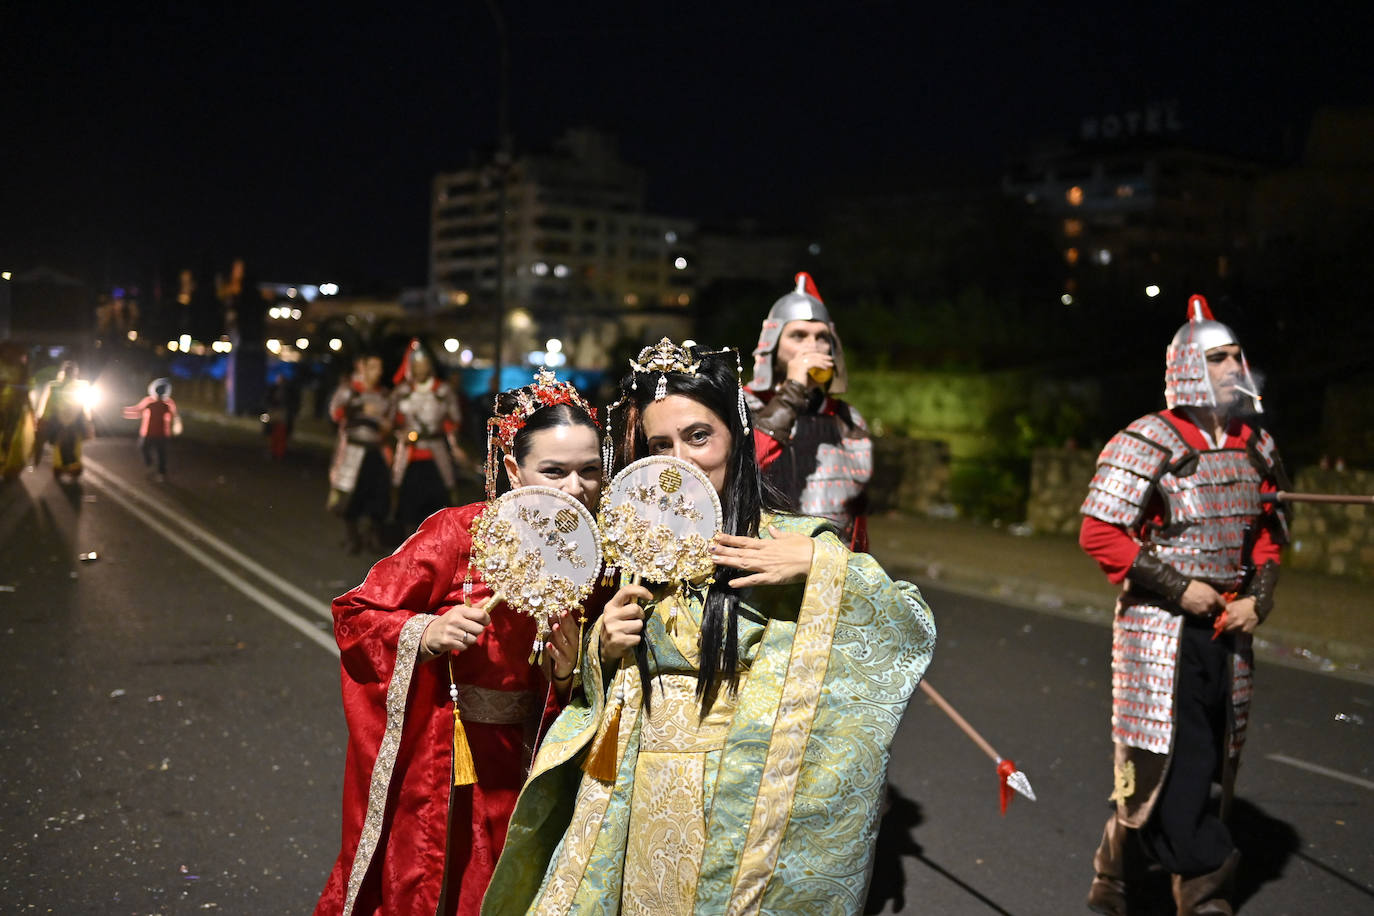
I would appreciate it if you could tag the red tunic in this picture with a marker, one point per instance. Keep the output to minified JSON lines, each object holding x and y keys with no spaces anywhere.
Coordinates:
{"x":406,"y":873}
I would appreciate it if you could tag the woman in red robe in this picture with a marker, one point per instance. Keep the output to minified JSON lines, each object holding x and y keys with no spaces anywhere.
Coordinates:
{"x":413,"y":841}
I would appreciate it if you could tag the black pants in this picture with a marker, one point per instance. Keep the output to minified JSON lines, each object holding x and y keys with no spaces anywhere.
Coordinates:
{"x":371,"y":497}
{"x":1184,"y":834}
{"x":422,"y":494}
{"x":154,"y":445}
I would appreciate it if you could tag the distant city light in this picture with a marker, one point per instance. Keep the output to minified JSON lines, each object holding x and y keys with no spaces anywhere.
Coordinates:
{"x":5,"y":275}
{"x":631,"y":299}
{"x":460,"y":297}
{"x":1152,"y":291}
{"x":273,"y":345}
{"x":274,"y":312}
{"x":561,"y":270}
{"x":680,"y":263}
{"x":1074,"y":196}
{"x":814,"y":248}
{"x":451,"y":345}
{"x":465,"y":357}
{"x":133,"y":335}
{"x":520,"y":320}
{"x":291,"y":292}
{"x":172,"y":345}
{"x":296,"y":314}
{"x":670,"y":236}
{"x":302,"y":343}
{"x":1104,"y":257}
{"x":553,"y":345}
{"x":335,"y":344}
{"x":329,"y":289}
{"x":1066,"y":299}
{"x":540,"y":269}
{"x":683,"y":299}
{"x":185,"y":341}
{"x":537,"y":357}
{"x":555,"y":359}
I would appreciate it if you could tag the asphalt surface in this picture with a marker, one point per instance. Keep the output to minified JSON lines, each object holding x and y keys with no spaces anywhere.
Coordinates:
{"x":174,"y":743}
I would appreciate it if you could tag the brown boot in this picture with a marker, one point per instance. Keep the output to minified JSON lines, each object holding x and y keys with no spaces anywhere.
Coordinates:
{"x":1108,"y":892}
{"x":1209,"y":894}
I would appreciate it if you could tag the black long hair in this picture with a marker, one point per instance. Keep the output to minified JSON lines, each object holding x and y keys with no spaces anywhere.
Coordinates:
{"x":744,"y":497}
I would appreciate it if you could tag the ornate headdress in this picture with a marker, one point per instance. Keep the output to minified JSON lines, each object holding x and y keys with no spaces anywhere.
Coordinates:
{"x":664,"y":357}
{"x":545,"y":391}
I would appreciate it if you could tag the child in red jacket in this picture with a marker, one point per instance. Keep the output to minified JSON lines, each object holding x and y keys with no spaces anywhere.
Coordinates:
{"x":160,"y":422}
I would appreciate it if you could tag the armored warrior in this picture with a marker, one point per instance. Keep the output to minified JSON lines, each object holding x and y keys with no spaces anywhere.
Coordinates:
{"x":1174,"y":513}
{"x":358,"y":474}
{"x":811,"y":445}
{"x":426,"y":418}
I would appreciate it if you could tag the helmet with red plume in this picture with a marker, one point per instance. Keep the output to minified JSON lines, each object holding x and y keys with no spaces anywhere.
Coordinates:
{"x":1186,"y":381}
{"x":803,"y":303}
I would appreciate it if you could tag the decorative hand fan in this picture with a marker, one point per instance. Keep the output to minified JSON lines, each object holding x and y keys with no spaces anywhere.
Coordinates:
{"x":539,"y":550}
{"x":658,"y":518}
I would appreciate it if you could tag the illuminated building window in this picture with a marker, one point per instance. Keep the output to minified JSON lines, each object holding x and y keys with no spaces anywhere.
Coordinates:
{"x":1071,"y":255}
{"x":1074,"y":196}
{"x":1073,"y":228}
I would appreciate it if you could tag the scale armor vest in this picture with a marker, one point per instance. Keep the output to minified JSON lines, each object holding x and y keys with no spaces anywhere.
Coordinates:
{"x":1211,"y":501}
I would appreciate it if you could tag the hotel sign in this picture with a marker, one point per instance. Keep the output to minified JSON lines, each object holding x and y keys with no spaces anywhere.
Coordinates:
{"x":1151,"y":120}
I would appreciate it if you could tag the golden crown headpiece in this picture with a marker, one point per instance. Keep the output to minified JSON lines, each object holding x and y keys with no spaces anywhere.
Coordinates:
{"x":545,"y":391}
{"x":664,"y":357}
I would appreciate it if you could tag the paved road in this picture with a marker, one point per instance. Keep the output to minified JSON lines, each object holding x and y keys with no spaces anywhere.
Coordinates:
{"x":173,"y":740}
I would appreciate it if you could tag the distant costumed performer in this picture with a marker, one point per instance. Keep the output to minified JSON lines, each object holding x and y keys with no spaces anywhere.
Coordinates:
{"x":1177,"y":513}
{"x":442,"y":702}
{"x":426,"y":418}
{"x":813,"y":446}
{"x":728,"y":717}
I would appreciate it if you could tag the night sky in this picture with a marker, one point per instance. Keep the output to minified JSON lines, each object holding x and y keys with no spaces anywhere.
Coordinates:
{"x":142,"y":138}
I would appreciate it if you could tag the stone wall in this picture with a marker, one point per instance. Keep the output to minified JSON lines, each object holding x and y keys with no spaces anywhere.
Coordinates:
{"x":1059,"y":481}
{"x":1338,"y":540}
{"x":911,"y":475}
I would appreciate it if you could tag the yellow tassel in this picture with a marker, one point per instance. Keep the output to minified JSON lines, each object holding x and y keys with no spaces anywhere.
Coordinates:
{"x":601,"y":759}
{"x":464,"y":773}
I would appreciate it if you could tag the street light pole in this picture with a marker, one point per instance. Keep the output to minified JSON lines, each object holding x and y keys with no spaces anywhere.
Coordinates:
{"x":503,"y":163}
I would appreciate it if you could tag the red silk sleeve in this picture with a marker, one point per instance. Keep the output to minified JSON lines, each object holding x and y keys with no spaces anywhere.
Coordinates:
{"x":1111,"y":546}
{"x":413,"y":580}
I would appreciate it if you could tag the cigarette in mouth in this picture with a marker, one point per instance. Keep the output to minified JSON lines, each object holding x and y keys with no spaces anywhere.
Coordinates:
{"x":1243,"y":390}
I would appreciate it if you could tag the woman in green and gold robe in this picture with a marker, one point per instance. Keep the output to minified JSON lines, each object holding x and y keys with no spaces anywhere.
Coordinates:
{"x":741,"y":727}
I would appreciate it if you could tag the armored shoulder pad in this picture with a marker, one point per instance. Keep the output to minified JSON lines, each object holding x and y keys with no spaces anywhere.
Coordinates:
{"x":1128,"y":467}
{"x":1266,"y":454}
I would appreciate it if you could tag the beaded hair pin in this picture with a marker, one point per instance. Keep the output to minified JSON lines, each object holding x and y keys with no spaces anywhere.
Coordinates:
{"x":664,"y":357}
{"x":545,"y":391}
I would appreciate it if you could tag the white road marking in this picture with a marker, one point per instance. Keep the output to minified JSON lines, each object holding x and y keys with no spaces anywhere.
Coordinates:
{"x":1321,"y":770}
{"x":130,"y":500}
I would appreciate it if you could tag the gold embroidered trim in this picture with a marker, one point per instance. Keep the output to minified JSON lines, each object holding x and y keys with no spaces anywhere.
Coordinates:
{"x":1125,"y":781}
{"x":407,"y":649}
{"x":497,"y":707}
{"x":589,"y":811}
{"x":792,"y":728}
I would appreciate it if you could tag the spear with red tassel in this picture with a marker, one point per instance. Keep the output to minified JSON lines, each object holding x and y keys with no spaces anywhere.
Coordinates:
{"x":1009,"y":777}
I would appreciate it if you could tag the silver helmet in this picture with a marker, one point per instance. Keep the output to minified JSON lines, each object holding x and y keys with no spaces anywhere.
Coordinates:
{"x":802,"y":304}
{"x":1186,"y":381}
